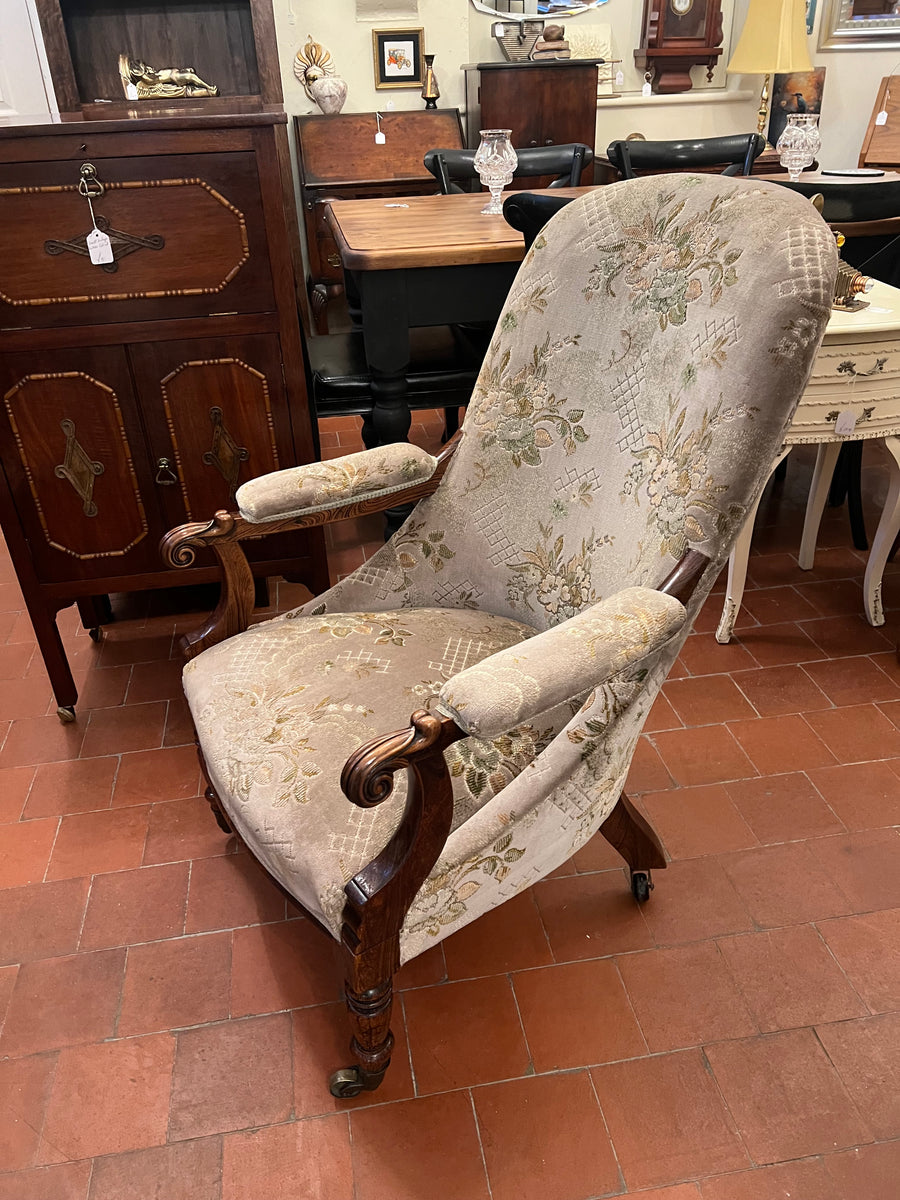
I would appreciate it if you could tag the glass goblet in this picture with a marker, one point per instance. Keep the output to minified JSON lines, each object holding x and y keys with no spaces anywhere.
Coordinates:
{"x":495,"y":162}
{"x":794,"y":148}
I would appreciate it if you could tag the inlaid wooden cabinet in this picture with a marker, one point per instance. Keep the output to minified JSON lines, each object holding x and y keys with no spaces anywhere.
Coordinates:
{"x":139,"y":393}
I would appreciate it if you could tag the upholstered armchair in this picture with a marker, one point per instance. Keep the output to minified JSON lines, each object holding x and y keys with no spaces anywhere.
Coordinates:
{"x":644,"y":368}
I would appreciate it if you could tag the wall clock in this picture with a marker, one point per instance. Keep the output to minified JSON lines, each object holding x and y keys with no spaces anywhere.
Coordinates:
{"x":678,"y":35}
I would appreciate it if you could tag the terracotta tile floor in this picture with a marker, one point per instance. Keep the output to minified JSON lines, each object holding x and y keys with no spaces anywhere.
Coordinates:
{"x":167,"y":1021}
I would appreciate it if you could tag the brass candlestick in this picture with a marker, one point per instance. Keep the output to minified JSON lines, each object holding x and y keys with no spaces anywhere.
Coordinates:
{"x":430,"y":90}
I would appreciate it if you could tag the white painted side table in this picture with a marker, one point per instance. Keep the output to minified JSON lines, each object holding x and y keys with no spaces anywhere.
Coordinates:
{"x":857,"y":372}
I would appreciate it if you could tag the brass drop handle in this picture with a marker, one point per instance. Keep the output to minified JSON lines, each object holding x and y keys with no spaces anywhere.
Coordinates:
{"x":334,"y":260}
{"x":165,"y":476}
{"x":88,"y":183}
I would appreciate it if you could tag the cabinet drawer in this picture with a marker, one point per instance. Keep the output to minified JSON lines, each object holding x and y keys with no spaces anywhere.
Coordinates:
{"x":860,"y":377}
{"x":187,"y":232}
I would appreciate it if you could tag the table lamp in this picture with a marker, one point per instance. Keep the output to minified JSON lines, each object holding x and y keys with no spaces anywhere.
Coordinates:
{"x":773,"y":40}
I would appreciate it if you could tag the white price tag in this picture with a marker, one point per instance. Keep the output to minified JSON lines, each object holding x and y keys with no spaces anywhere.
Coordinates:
{"x":131,"y":92}
{"x":646,"y":90}
{"x":620,"y":78}
{"x":380,"y":139}
{"x":881,"y":119}
{"x":845,"y":424}
{"x":99,"y":248}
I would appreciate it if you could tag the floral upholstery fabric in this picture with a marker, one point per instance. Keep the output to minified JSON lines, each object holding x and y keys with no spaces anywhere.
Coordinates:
{"x":322,"y":485}
{"x":279,"y":709}
{"x":514,"y":684}
{"x":643,"y":371}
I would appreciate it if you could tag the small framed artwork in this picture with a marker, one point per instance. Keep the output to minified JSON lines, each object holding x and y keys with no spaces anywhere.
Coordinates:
{"x":399,"y":57}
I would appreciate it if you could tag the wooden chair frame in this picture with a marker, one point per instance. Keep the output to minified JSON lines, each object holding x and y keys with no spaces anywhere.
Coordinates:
{"x":380,"y":895}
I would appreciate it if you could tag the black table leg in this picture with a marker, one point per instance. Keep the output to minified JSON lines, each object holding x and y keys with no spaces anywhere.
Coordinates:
{"x":386,"y":321}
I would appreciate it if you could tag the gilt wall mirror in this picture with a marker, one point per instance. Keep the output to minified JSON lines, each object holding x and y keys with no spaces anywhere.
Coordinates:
{"x":860,"y":24}
{"x":514,"y":10}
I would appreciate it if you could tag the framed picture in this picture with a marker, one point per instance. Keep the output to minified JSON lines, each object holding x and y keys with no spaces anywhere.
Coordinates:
{"x":799,"y":92}
{"x":399,"y":61}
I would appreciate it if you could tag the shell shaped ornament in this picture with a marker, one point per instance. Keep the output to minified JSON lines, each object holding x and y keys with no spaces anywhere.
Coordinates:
{"x":312,"y":63}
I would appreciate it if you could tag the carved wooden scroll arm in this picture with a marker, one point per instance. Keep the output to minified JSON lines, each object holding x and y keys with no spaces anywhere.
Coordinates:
{"x":224,"y":533}
{"x":379,"y":896}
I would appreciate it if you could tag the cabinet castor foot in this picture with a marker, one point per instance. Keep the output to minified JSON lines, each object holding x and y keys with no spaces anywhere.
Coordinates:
{"x":66,"y":713}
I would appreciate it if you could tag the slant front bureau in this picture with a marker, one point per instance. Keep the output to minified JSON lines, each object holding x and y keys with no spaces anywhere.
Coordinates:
{"x":139,"y":393}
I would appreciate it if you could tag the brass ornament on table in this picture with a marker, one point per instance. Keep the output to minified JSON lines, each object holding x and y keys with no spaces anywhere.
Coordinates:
{"x":430,"y":90}
{"x":140,"y":81}
{"x":551,"y":44}
{"x":849,"y":283}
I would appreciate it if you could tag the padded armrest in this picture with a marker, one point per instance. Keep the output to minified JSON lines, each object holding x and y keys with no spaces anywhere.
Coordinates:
{"x":324,"y":485}
{"x":516,"y":684}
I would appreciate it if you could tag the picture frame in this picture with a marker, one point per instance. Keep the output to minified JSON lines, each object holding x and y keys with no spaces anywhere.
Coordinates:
{"x":853,"y":25}
{"x":399,"y":58}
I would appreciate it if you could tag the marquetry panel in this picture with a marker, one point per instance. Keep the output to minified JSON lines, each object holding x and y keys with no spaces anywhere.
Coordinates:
{"x":73,"y":449}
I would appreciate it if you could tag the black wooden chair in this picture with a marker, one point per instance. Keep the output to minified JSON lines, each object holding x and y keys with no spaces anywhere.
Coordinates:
{"x":444,"y":365}
{"x":738,"y":151}
{"x":453,"y":167}
{"x":529,"y":213}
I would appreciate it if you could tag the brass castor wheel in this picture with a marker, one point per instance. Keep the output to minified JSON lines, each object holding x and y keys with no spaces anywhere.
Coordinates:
{"x":346,"y":1083}
{"x":641,"y":886}
{"x":95,"y":634}
{"x":350,"y":1081}
{"x":66,"y":713}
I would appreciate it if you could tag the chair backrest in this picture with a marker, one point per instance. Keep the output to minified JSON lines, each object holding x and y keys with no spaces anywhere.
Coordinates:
{"x":529,"y":213}
{"x":638,"y":385}
{"x":566,"y":163}
{"x":738,"y":151}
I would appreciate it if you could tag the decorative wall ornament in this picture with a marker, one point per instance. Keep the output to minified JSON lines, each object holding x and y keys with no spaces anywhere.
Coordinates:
{"x":314,"y":68}
{"x":399,"y":58}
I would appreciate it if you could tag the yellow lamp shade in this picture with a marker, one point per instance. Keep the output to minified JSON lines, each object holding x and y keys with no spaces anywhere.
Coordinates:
{"x":773,"y":39}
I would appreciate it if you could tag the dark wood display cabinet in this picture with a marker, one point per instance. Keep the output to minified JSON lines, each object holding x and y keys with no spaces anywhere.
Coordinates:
{"x":544,"y":104}
{"x":138,"y":394}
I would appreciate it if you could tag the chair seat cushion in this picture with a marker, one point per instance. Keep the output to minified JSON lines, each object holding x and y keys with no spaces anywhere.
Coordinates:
{"x":280,"y":708}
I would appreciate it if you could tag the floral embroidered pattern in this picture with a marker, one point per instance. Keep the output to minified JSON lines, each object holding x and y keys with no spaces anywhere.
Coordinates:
{"x":672,"y":470}
{"x":560,"y":586}
{"x":519,"y":413}
{"x":431,"y":546}
{"x":664,"y":262}
{"x":442,"y":901}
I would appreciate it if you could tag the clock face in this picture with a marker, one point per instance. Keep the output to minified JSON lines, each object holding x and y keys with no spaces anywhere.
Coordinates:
{"x":681,"y":7}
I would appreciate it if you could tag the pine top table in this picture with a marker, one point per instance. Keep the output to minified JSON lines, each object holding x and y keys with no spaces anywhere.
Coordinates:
{"x":853,"y":394}
{"x":421,"y":260}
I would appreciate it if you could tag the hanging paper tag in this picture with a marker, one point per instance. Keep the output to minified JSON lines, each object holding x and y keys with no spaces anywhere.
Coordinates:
{"x":646,"y":90}
{"x":380,"y":139}
{"x":99,"y":248}
{"x":881,"y":118}
{"x":131,"y":91}
{"x":845,"y":424}
{"x":620,"y":78}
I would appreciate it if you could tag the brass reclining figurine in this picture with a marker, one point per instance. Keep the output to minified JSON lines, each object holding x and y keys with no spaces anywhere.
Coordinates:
{"x":166,"y":83}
